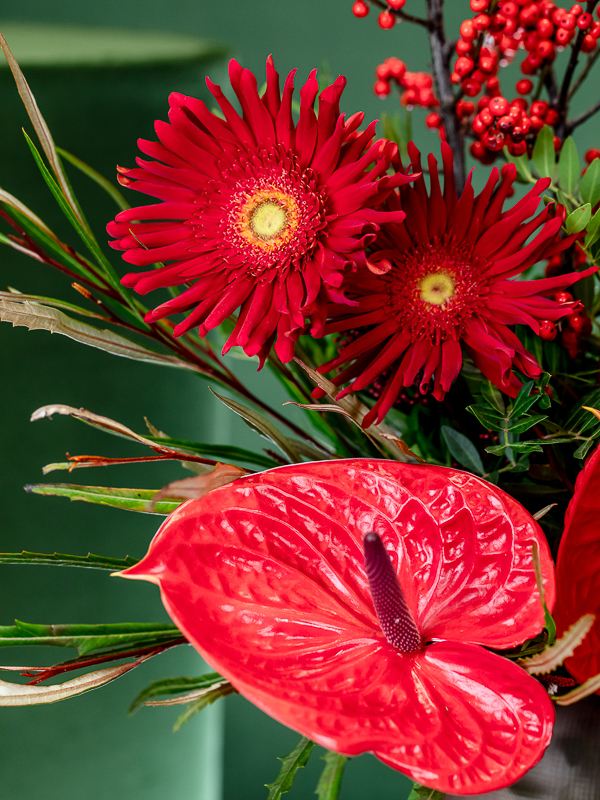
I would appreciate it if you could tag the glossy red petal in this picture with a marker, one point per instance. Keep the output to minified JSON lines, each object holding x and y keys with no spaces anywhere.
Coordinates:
{"x":578,"y":569}
{"x":266,"y":578}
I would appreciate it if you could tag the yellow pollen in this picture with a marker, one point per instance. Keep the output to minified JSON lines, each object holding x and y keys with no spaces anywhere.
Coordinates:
{"x":267,"y":220}
{"x":437,"y":288}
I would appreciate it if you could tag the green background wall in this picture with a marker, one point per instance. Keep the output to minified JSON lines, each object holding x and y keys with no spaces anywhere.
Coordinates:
{"x":87,"y":747}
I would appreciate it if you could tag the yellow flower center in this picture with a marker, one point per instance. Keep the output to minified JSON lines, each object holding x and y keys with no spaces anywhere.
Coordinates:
{"x":437,"y":288}
{"x":268,"y":218}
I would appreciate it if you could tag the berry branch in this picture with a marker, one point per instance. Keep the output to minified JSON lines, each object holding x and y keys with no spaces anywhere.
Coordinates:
{"x":583,"y":118}
{"x":441,"y":69}
{"x":563,"y":101}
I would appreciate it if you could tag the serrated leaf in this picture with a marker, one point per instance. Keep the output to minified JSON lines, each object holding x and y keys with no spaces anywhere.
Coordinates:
{"x":127,"y":499}
{"x":90,"y":561}
{"x":462,"y":449}
{"x":13,"y":694}
{"x":591,"y":686}
{"x":569,"y":166}
{"x":424,"y":793}
{"x":552,"y":657}
{"x":34,"y":316}
{"x":174,"y":686}
{"x":590,"y":183}
{"x":543,"y":153}
{"x":578,"y":220}
{"x":330,"y":781}
{"x":208,"y":697}
{"x":290,"y":766}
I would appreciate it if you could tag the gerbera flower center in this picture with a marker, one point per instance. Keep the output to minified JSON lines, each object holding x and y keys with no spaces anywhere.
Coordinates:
{"x":268,"y":220}
{"x":437,"y":288}
{"x":395,"y":619}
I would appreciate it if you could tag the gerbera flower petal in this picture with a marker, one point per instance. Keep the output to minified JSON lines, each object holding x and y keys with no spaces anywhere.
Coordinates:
{"x":449,"y":284}
{"x":266,"y":577}
{"x":259,"y":198}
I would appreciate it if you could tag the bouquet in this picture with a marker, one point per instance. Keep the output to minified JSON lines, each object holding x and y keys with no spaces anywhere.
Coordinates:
{"x":413,"y":571}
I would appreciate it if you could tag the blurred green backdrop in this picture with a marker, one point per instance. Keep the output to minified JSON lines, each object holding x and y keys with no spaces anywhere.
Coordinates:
{"x":88,"y":747}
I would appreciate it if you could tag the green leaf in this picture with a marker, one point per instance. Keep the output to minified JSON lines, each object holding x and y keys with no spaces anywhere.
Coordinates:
{"x":489,"y":419}
{"x":87,"y":638}
{"x":524,"y":400}
{"x":569,"y":166}
{"x":207,"y":699}
{"x":493,"y":396}
{"x":171,"y":686}
{"x":424,"y":793}
{"x":525,"y":423}
{"x":330,"y":781}
{"x":583,"y":449}
{"x":593,"y":228}
{"x":581,"y":421}
{"x":226,"y":453}
{"x":290,"y":766}
{"x":522,"y":164}
{"x":90,"y":561}
{"x":590,"y":183}
{"x":518,"y":447}
{"x":127,"y":499}
{"x":462,"y":449}
{"x":578,"y":220}
{"x":544,"y":156}
{"x":108,"y":187}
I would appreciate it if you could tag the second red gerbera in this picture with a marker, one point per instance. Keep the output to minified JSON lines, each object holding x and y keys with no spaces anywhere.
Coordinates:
{"x":441,"y":281}
{"x":259,"y":213}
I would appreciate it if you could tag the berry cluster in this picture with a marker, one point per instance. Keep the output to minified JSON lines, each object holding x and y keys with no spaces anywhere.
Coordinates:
{"x":573,"y":329}
{"x":515,"y":124}
{"x":386,"y":19}
{"x":418,"y":86}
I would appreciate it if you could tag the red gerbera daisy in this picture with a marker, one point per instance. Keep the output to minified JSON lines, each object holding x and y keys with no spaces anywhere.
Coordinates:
{"x":257,"y":212}
{"x":442,"y":278}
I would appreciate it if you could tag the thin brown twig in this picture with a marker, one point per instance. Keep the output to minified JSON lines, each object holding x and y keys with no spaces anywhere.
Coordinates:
{"x":585,"y":72}
{"x":401,"y":14}
{"x":583,"y":118}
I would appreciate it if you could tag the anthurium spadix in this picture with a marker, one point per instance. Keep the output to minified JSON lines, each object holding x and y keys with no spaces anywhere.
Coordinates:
{"x":353,"y":601}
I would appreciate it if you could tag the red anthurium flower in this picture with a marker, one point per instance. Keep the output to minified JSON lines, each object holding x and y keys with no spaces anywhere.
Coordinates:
{"x":578,"y":569}
{"x":350,"y":601}
{"x":259,"y":213}
{"x":442,"y":281}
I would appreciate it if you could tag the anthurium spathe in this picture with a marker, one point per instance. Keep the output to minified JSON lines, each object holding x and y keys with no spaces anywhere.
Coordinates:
{"x":352,"y":601}
{"x":578,"y":569}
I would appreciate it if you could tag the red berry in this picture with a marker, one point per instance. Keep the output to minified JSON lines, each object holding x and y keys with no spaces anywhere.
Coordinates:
{"x":551,"y":117}
{"x":577,"y":321}
{"x":483,"y":102}
{"x":464,"y":108}
{"x":519,"y":102}
{"x":463,"y":47}
{"x":566,"y":20}
{"x":563,"y":297}
{"x":563,"y":36}
{"x":433,"y":120}
{"x":506,"y":124}
{"x":589,"y":44}
{"x":499,"y":106}
{"x":493,"y":86}
{"x":487,"y":64}
{"x":477,"y":150}
{"x":547,"y":330}
{"x":382,"y":88}
{"x":538,"y":108}
{"x":493,"y":140}
{"x":527,"y":68}
{"x":464,"y":66}
{"x":455,"y":77}
{"x":591,"y":154}
{"x":396,"y":4}
{"x":479,"y":125}
{"x":544,"y":28}
{"x":481,"y":22}
{"x":398,"y":68}
{"x":576,"y":9}
{"x":479,"y":5}
{"x":517,"y":135}
{"x":467,"y":31}
{"x":570,"y":339}
{"x":524,"y":86}
{"x":585,"y":22}
{"x":595,"y":30}
{"x":386,"y":20}
{"x":383,"y":71}
{"x":545,"y":49}
{"x":529,"y":16}
{"x":486,"y":116}
{"x":509,"y":8}
{"x":517,"y":148}
{"x":360,"y":9}
{"x":557,"y":144}
{"x":536,"y":123}
{"x":470,"y":87}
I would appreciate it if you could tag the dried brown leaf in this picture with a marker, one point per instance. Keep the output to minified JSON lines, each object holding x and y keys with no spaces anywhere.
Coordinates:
{"x":200,"y":485}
